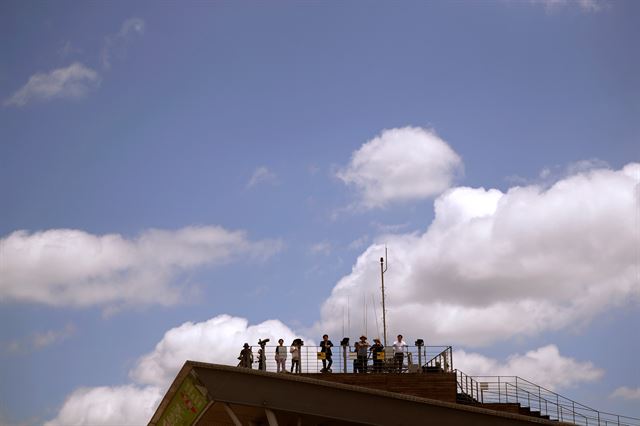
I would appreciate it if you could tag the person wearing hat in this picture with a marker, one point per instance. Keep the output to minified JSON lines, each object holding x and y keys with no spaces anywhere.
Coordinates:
{"x":362,"y":349}
{"x":246,"y":357}
{"x":377,"y":352}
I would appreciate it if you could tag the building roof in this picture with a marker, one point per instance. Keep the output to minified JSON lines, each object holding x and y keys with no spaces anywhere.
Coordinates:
{"x":206,"y":394}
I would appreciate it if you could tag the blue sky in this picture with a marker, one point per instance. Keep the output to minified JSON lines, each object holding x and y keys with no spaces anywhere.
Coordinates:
{"x":237,"y":168}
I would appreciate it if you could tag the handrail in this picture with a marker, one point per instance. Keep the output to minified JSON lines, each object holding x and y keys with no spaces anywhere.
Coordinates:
{"x":345,"y":359}
{"x":446,"y":355}
{"x":516,"y":390}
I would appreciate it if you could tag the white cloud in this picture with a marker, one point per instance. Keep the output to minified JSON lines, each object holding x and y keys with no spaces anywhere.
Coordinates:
{"x":108,"y":406}
{"x":116,"y":43}
{"x":262,"y":175}
{"x":543,"y":366}
{"x":401,"y":164}
{"x":64,"y":267}
{"x":624,"y":392}
{"x":494,"y":265}
{"x":72,"y":82}
{"x":217,"y":340}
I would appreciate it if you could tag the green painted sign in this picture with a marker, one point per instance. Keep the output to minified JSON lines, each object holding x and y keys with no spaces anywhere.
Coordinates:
{"x":186,"y":405}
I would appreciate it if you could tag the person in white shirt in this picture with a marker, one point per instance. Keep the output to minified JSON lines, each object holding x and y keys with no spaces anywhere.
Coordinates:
{"x":281,"y":356}
{"x":295,"y":355}
{"x":399,"y":348}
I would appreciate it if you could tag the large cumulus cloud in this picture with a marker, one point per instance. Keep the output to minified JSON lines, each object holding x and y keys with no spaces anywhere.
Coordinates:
{"x":108,"y":406}
{"x":217,"y":340}
{"x":495,"y":264}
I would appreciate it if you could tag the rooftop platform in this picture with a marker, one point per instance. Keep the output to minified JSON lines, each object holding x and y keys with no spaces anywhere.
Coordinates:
{"x":211,"y":394}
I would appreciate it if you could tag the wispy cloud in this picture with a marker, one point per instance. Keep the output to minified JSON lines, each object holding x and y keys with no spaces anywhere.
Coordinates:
{"x":72,"y":82}
{"x":115,"y":44}
{"x":552,"y":174}
{"x":68,"y":49}
{"x":585,"y":5}
{"x":41,"y":340}
{"x":359,"y":243}
{"x":262,"y":175}
{"x":323,"y":247}
{"x":624,"y":392}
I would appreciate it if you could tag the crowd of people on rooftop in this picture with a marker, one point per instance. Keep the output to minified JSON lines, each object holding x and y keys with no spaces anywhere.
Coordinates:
{"x":363,"y":350}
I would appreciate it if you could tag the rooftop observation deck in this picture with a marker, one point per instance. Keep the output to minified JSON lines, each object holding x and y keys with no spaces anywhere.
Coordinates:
{"x":425,"y":389}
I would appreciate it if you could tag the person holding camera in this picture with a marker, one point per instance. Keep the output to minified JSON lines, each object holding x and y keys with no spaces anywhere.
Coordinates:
{"x":325,"y":347}
{"x":295,"y":355}
{"x":281,"y":357}
{"x":262,"y":354}
{"x":377,"y":353}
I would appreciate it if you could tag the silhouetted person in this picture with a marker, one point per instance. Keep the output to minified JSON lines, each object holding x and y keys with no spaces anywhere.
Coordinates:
{"x":246,"y":357}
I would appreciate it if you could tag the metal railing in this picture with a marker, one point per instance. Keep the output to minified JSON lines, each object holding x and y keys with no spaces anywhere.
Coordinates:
{"x":515,"y":390}
{"x":345,"y":360}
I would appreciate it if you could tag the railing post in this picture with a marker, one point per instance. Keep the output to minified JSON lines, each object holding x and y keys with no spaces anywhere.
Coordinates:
{"x":517,"y":392}
{"x":466,"y":384}
{"x":539,"y":400}
{"x":558,"y":405}
{"x":344,"y":359}
{"x":573,"y":409}
{"x":499,"y":396}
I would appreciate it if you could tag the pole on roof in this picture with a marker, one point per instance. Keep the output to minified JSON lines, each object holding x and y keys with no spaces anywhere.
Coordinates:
{"x":383,"y":269}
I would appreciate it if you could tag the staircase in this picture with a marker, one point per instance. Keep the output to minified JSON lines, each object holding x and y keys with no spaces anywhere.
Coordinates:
{"x":514,"y":394}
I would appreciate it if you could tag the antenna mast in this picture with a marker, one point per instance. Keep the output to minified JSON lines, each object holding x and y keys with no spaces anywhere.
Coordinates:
{"x":383,"y":269}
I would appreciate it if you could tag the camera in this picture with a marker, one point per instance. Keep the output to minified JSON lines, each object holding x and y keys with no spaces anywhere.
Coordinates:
{"x":262,"y":342}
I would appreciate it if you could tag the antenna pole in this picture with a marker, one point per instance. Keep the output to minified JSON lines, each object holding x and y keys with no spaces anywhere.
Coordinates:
{"x":383,"y":269}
